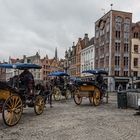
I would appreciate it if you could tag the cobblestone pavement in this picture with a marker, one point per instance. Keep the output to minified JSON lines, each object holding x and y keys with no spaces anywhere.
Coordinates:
{"x":67,"y":121}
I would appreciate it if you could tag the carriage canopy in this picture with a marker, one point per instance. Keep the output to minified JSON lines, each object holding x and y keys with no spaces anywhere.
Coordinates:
{"x":96,"y":71}
{"x":58,"y":74}
{"x":20,"y":66}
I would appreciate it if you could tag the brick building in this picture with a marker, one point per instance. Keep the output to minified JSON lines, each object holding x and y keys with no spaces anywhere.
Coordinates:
{"x":50,"y":66}
{"x":70,"y":60}
{"x":135,"y":52}
{"x":113,"y":46}
{"x":73,"y":57}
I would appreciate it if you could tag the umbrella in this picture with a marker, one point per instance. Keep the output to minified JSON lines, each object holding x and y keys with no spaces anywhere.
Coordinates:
{"x":7,"y":66}
{"x":96,"y":71}
{"x":26,"y":66}
{"x":58,"y":74}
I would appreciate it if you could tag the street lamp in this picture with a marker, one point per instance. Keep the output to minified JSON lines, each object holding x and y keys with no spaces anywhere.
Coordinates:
{"x":132,"y":78}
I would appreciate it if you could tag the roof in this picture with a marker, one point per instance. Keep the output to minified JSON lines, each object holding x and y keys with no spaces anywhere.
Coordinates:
{"x":91,"y":42}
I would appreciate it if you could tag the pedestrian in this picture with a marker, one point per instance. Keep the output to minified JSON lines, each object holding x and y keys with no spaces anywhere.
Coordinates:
{"x":120,"y":87}
{"x":48,"y":92}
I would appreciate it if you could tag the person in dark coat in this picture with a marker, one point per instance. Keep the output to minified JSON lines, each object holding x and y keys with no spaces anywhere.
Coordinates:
{"x":27,"y":81}
{"x":48,"y":91}
{"x":99,"y":79}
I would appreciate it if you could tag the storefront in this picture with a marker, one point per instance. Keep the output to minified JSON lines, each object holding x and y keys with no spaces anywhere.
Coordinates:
{"x":115,"y":82}
{"x":121,"y":81}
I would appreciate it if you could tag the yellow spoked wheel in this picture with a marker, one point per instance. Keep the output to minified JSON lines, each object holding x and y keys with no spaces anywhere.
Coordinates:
{"x":77,"y":97}
{"x":67,"y":94}
{"x":12,"y":110}
{"x":39,"y":104}
{"x":57,"y":94}
{"x":96,"y":97}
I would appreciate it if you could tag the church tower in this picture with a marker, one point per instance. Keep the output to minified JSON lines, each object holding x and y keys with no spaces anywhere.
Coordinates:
{"x":55,"y":53}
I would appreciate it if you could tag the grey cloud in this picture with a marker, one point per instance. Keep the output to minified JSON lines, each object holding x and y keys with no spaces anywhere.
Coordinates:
{"x":28,"y":26}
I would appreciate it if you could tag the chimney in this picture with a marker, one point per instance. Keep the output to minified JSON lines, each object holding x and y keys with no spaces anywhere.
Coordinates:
{"x":86,"y":39}
{"x":80,"y":39}
{"x":73,"y":43}
{"x":86,"y":35}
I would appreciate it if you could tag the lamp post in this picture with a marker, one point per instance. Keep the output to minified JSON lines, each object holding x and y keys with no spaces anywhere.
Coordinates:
{"x":132,"y":78}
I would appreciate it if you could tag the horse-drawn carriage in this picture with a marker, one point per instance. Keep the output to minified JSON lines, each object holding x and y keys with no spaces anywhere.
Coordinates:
{"x":13,"y":98}
{"x":91,"y":89}
{"x":61,"y":86}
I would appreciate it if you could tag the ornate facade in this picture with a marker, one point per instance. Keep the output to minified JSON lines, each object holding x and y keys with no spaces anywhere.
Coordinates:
{"x":113,"y":46}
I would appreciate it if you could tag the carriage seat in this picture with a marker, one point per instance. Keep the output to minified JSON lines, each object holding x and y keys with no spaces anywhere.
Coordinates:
{"x":4,"y":85}
{"x":84,"y":83}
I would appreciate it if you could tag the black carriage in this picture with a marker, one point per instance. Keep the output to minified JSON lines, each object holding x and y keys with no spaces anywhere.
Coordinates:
{"x":14,"y":97}
{"x":60,"y":85}
{"x":91,"y":89}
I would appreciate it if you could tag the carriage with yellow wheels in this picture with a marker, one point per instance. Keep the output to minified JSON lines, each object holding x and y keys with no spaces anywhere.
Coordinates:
{"x":13,"y":97}
{"x":91,"y":89}
{"x":60,"y":85}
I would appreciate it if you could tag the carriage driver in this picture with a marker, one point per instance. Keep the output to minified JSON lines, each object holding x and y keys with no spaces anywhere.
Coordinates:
{"x":27,"y":81}
{"x":100,"y":80}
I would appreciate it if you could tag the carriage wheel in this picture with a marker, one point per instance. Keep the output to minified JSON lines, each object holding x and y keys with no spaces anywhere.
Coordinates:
{"x":77,"y":97}
{"x":96,"y":97}
{"x":39,"y":104}
{"x":57,"y":94}
{"x":68,"y":94}
{"x":12,"y":110}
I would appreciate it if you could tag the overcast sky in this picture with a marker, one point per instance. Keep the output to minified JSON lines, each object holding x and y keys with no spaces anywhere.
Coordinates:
{"x":28,"y":26}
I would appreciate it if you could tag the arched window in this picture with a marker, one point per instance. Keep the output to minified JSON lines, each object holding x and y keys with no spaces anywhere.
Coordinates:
{"x":118,"y":21}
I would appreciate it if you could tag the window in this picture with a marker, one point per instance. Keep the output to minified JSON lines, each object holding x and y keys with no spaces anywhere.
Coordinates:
{"x":136,"y":48}
{"x":125,"y":61}
{"x":126,"y":48}
{"x":125,"y":73}
{"x":126,"y":36}
{"x":117,"y":47}
{"x":91,"y":65}
{"x":102,"y":51}
{"x":117,"y":60}
{"x":116,"y":73}
{"x":135,"y":73}
{"x":107,"y":36}
{"x":127,"y":25}
{"x":107,"y":60}
{"x":97,"y":33}
{"x":136,"y":35}
{"x":117,"y":35}
{"x":126,"y":29}
{"x":107,"y":49}
{"x":135,"y":62}
{"x":101,"y":61}
{"x":107,"y":27}
{"x":118,"y":21}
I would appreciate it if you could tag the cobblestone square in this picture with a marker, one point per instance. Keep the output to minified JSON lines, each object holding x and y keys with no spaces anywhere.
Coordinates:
{"x":67,"y":121}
